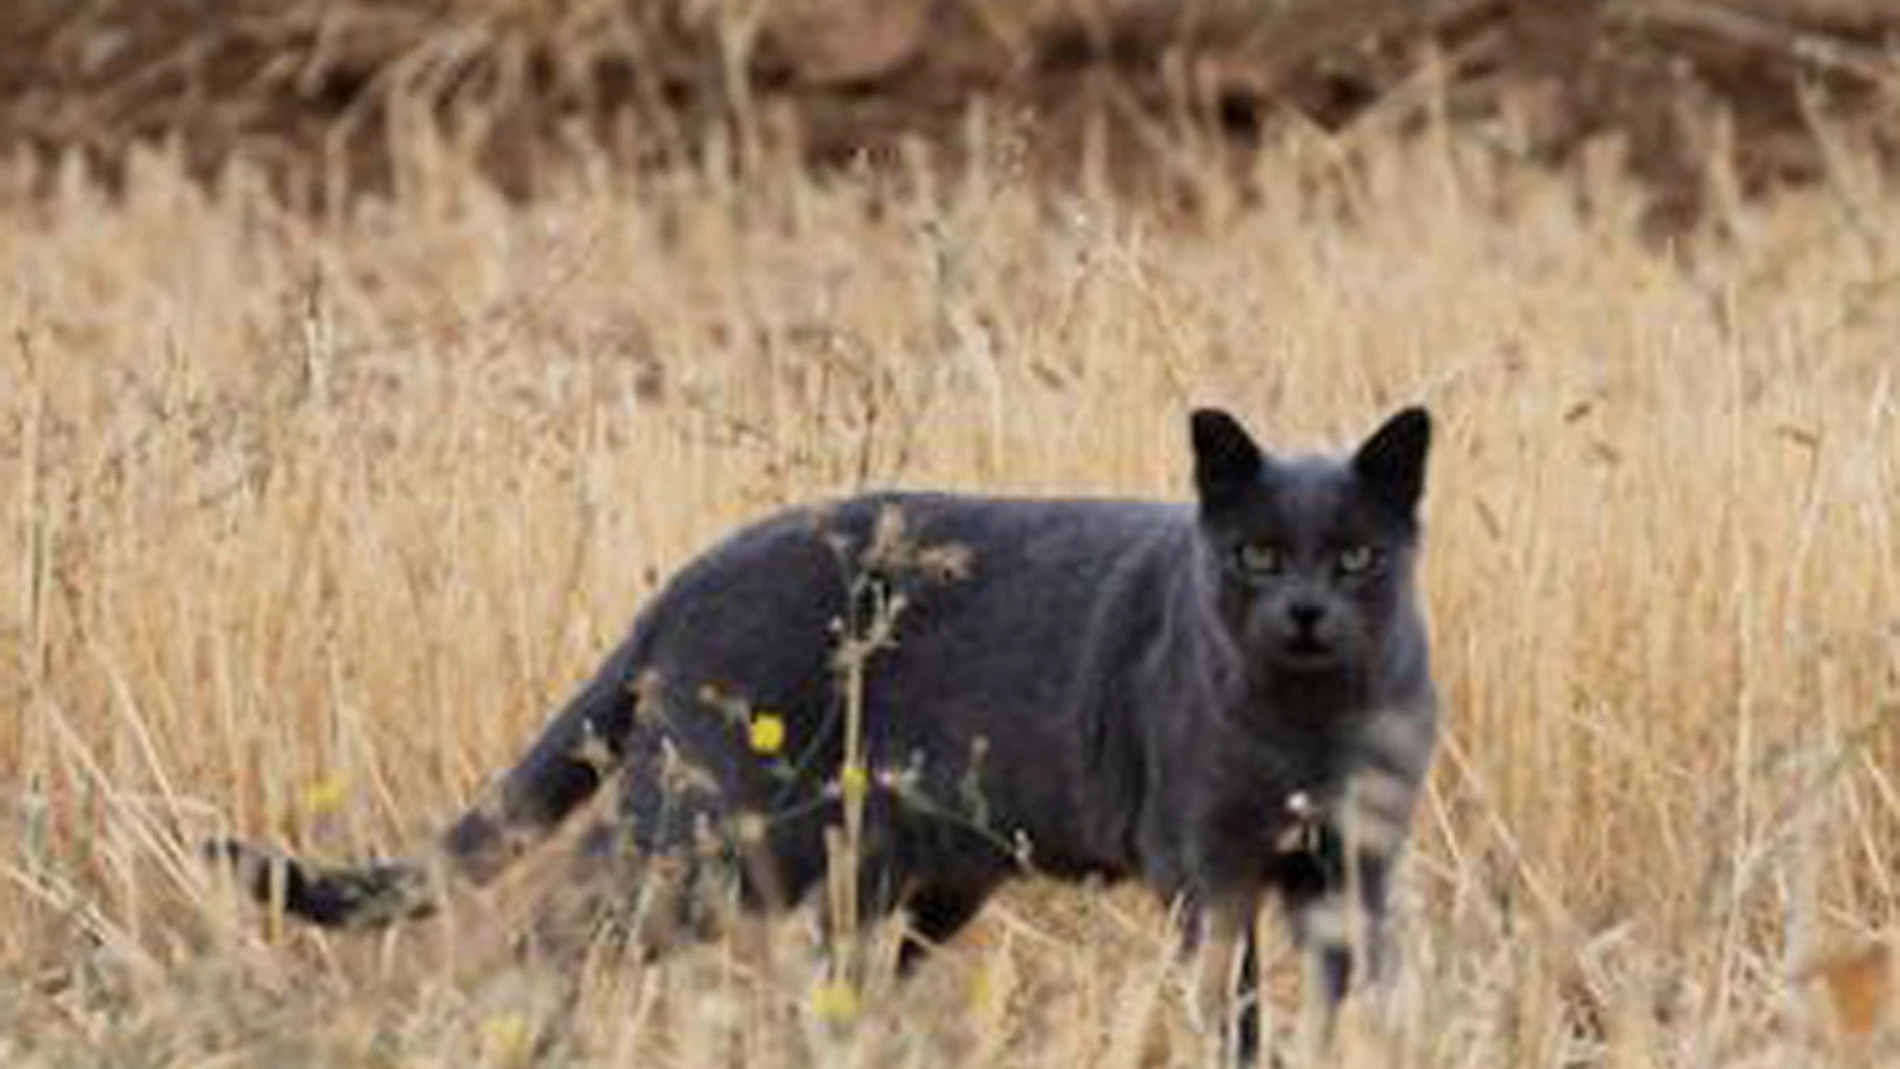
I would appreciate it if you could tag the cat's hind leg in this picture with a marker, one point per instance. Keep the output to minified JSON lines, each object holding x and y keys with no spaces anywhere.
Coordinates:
{"x":935,"y":913}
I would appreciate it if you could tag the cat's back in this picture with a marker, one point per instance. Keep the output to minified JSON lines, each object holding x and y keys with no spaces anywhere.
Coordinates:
{"x":1005,"y":533}
{"x":792,"y":572}
{"x":897,"y":530}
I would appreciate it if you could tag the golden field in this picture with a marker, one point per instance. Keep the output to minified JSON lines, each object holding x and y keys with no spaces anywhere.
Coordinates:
{"x":306,"y":525}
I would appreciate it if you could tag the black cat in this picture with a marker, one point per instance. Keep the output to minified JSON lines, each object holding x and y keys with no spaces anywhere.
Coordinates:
{"x":1226,"y":699}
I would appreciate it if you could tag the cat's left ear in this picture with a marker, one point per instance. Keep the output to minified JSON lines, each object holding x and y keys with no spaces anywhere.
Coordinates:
{"x":1392,"y":461}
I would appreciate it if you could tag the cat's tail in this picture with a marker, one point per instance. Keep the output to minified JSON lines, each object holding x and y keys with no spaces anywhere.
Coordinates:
{"x":577,"y":751}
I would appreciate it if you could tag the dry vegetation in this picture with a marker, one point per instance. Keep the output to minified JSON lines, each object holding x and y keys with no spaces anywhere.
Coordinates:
{"x":323,"y":94}
{"x":308,"y":522}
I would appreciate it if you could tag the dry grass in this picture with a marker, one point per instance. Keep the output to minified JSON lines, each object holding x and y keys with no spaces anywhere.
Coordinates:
{"x":322,"y":96}
{"x":306,"y":526}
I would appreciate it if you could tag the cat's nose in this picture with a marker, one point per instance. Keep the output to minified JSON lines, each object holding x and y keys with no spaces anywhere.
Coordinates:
{"x":1306,"y":614}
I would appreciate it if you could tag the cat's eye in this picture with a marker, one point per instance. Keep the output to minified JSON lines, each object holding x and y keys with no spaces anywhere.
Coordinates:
{"x":1260,"y":558}
{"x":1356,"y":560}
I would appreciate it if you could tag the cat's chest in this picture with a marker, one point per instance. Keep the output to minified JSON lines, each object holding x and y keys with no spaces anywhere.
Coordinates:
{"x":1277,"y":756}
{"x":1267,"y":812}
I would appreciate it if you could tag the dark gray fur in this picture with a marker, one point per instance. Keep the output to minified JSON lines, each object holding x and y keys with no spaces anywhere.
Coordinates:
{"x":1081,"y":687}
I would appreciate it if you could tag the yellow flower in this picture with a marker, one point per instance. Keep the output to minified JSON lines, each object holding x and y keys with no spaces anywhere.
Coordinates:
{"x":982,"y":991}
{"x":992,"y":984}
{"x":835,"y":1002}
{"x":507,"y":1039}
{"x":854,"y":781}
{"x":325,"y":796}
{"x":767,"y":733}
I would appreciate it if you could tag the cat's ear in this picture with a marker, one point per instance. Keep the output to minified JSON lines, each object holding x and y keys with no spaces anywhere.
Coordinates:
{"x":1392,"y":461}
{"x":1226,"y":459}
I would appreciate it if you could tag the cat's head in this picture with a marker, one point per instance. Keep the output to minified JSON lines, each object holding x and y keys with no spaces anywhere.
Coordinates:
{"x":1312,"y":555}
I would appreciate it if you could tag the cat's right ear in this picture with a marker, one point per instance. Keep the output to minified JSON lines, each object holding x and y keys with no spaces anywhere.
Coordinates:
{"x":1226,"y":459}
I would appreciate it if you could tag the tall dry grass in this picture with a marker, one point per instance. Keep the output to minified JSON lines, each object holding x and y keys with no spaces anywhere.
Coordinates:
{"x":307,"y":525}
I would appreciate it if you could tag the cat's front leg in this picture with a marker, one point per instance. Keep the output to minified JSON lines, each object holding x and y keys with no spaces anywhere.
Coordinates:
{"x":1344,"y":939}
{"x":1223,"y":960}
